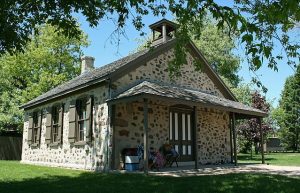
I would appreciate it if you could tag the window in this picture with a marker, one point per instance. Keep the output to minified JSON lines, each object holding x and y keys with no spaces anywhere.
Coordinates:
{"x":55,"y":124}
{"x":35,"y":127}
{"x":82,"y":119}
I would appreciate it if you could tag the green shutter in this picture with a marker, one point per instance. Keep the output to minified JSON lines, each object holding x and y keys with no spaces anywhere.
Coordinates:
{"x":60,"y":123}
{"x":89,"y":111}
{"x":29,"y":138}
{"x":72,"y":122}
{"x":48,"y":125}
{"x":40,"y":117}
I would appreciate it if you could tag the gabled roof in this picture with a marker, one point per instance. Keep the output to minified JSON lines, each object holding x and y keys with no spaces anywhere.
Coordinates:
{"x":160,"y":90}
{"x":120,"y":66}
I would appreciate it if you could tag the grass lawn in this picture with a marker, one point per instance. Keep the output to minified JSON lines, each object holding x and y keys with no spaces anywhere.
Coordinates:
{"x":15,"y":178}
{"x":283,"y":159}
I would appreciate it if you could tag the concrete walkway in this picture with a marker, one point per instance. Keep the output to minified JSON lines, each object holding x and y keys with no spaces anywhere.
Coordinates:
{"x":228,"y":169}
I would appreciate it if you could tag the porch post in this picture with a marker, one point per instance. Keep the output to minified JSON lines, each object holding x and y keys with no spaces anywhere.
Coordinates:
{"x":261,"y":141}
{"x":195,"y":138}
{"x":146,"y":136}
{"x":234,"y":139}
{"x":164,"y":32}
{"x":113,"y":134}
{"x":231,"y":146}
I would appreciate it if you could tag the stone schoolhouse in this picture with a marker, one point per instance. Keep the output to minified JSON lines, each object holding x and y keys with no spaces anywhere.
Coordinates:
{"x":86,"y":122}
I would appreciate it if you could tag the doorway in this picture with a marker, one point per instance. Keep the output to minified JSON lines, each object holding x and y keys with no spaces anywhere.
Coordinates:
{"x":181,"y":132}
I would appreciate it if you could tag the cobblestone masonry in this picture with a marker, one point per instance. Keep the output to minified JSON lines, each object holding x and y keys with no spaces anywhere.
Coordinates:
{"x":157,"y":69}
{"x":212,"y":131}
{"x":129,"y":126}
{"x":90,"y":157}
{"x":213,"y":136}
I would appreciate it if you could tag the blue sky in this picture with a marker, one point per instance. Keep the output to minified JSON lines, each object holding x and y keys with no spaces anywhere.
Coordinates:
{"x":105,"y":50}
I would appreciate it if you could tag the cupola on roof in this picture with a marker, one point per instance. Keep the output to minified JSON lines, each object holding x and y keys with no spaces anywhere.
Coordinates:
{"x":162,"y":31}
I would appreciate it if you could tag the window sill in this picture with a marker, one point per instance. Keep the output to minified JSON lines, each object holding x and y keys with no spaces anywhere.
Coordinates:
{"x":80,"y":143}
{"x":34,"y":145}
{"x":55,"y":144}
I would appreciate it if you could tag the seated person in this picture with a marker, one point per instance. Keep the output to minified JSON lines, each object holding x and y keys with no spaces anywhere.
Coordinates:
{"x":171,"y":155}
{"x":174,"y":152}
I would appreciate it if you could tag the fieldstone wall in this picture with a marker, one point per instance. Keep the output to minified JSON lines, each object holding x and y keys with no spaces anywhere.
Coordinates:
{"x":157,"y":70}
{"x":90,"y":157}
{"x":129,"y":126}
{"x":213,"y":136}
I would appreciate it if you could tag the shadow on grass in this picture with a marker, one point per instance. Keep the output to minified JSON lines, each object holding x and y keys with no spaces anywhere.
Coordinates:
{"x":97,"y":182}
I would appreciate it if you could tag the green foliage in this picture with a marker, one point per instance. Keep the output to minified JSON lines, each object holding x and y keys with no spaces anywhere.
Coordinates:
{"x":259,"y":23}
{"x":47,"y":61}
{"x":217,"y":47}
{"x":290,"y":111}
{"x":243,"y":93}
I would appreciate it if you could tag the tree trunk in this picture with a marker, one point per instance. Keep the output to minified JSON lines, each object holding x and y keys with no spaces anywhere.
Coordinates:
{"x":256,"y":148}
{"x":251,"y":151}
{"x":297,"y":139}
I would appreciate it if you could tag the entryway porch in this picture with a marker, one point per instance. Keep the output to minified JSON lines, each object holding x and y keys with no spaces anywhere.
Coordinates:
{"x":144,"y":114}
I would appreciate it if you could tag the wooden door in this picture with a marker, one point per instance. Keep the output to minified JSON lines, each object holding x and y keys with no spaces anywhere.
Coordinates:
{"x":181,"y":134}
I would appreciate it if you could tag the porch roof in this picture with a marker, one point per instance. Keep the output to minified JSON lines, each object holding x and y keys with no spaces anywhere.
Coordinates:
{"x":155,"y":90}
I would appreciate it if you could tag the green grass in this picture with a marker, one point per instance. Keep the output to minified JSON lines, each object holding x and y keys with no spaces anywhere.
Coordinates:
{"x":283,"y":159}
{"x":19,"y":178}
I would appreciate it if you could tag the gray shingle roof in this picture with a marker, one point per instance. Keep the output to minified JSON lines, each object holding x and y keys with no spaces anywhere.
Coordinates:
{"x":174,"y":92}
{"x":98,"y":74}
{"x":105,"y":72}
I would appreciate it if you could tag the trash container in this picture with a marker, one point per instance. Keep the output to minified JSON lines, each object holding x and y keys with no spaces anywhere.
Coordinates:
{"x":131,"y":163}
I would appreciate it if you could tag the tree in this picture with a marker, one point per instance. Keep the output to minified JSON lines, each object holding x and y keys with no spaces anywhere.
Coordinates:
{"x":250,"y":129}
{"x":290,"y":105}
{"x":47,"y":61}
{"x":217,"y":47}
{"x":243,"y":93}
{"x":260,"y":23}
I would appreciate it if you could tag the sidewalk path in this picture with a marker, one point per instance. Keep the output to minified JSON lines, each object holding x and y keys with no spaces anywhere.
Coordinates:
{"x":227,"y":169}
